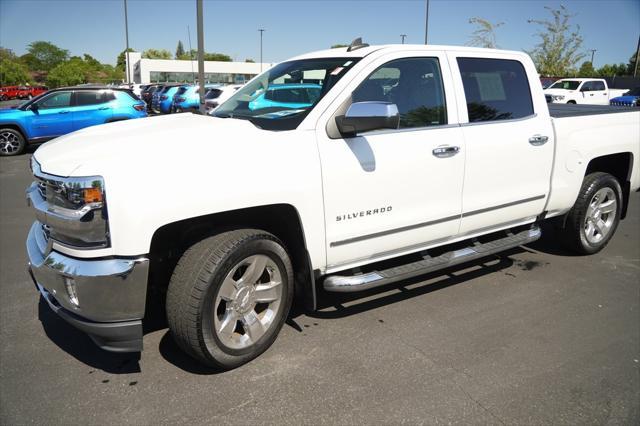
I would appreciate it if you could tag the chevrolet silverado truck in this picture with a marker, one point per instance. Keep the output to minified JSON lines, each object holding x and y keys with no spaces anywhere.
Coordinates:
{"x":412,"y":158}
{"x":589,"y":91}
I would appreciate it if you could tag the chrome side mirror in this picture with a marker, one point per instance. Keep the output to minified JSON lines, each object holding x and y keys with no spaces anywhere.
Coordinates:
{"x":366,"y":116}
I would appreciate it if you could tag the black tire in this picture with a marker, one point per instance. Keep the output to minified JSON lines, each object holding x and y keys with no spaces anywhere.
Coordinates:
{"x":4,"y":98}
{"x":195,"y":286}
{"x":572,"y":102}
{"x":574,"y":232}
{"x":11,"y":142}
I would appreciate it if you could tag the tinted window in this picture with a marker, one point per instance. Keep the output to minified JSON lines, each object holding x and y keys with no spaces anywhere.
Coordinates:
{"x":414,"y":85}
{"x":93,"y":97}
{"x":565,"y":84}
{"x":597,"y":85}
{"x":495,"y":89}
{"x":213,"y":93}
{"x":586,"y":86}
{"x":56,"y":100}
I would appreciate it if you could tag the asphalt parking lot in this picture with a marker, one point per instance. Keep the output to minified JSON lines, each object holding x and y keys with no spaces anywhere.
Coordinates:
{"x":533,"y":336}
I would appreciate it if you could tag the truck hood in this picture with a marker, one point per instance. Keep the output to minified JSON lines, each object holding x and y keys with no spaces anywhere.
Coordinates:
{"x":111,"y":148}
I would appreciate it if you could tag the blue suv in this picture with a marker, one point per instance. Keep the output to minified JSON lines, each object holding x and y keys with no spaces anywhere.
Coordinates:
{"x":163,"y":99}
{"x":187,"y":97}
{"x":291,"y":95}
{"x":61,"y":111}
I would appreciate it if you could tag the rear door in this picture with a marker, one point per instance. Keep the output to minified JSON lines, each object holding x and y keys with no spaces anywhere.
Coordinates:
{"x":52,"y":117}
{"x":508,"y":138}
{"x":92,"y":107}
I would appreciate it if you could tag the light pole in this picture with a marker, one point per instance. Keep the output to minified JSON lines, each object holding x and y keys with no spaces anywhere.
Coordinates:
{"x":261,"y":31}
{"x":403,"y":36}
{"x":426,"y":24}
{"x":200,"y":54}
{"x":593,"y":51}
{"x":126,"y":32}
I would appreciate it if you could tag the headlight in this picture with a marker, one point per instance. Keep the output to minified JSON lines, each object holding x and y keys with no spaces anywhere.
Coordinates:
{"x":557,"y":97}
{"x":72,"y":210}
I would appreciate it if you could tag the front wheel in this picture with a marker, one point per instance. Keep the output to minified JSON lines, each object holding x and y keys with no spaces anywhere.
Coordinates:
{"x":229,"y":297}
{"x":11,"y":142}
{"x":595,"y":216}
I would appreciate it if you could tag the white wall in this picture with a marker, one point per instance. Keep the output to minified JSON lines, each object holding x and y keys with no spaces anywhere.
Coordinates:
{"x":144,"y":67}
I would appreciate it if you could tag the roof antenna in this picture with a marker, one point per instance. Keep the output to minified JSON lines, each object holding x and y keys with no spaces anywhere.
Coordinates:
{"x":356,"y":44}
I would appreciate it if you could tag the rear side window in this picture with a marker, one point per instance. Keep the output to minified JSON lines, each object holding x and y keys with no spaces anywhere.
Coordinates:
{"x":91,"y":97}
{"x":495,"y":89}
{"x":597,"y":85}
{"x":213,"y":94}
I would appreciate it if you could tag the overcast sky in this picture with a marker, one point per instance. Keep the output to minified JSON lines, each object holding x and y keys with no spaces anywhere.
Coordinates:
{"x":293,"y":27}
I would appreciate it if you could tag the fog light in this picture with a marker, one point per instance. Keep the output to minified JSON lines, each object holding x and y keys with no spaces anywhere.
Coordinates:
{"x":70,"y":285}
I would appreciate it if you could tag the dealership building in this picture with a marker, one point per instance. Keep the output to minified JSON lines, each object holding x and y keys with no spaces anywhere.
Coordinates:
{"x":144,"y":70}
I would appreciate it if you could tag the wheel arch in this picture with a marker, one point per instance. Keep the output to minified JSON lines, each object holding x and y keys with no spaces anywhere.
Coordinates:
{"x":170,"y":241}
{"x":17,"y":127}
{"x":619,"y":165}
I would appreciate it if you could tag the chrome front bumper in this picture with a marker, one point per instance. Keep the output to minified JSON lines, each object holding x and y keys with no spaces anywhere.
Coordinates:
{"x":103,"y":297}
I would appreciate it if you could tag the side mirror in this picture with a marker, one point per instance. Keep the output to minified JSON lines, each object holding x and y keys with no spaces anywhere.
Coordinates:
{"x":365,"y":116}
{"x":34,"y":107}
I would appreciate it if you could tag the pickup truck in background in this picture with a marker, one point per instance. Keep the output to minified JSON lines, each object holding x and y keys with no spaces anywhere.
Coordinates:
{"x":412,"y":159}
{"x":590,"y":91}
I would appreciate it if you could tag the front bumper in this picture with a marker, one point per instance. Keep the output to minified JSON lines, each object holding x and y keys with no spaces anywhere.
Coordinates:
{"x":103,"y":297}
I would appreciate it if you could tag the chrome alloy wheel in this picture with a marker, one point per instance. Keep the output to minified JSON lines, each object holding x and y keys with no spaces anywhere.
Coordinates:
{"x":247,"y":301}
{"x":9,"y":143}
{"x":601,"y":215}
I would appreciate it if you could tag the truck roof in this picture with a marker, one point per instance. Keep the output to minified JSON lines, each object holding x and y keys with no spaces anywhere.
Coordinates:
{"x":364,"y":51}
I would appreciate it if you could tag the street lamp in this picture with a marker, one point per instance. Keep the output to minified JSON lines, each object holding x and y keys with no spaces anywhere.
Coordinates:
{"x":426,"y":24}
{"x":593,"y":51}
{"x":261,"y":31}
{"x":402,"y":36}
{"x":126,"y":32}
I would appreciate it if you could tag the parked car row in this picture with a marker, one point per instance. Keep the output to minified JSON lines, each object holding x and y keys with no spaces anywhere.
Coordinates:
{"x":589,"y":91}
{"x":167,"y":98}
{"x":21,"y":92}
{"x":61,"y":111}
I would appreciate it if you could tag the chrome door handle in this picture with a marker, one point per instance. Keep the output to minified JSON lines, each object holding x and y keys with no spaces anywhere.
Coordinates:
{"x":63,"y":112}
{"x":445,"y":151}
{"x":537,"y":140}
{"x":102,"y":108}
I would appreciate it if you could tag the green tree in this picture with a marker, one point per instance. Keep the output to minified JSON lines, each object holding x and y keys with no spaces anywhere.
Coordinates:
{"x":69,"y":73}
{"x":179,"y":50}
{"x":44,"y":56}
{"x":560,"y":46}
{"x":586,"y":70}
{"x":156,"y":54}
{"x":485,"y":33}
{"x":250,"y":60}
{"x":631,"y":67}
{"x":12,"y":73}
{"x":337,"y":46}
{"x":221,"y":57}
{"x":122,"y":59}
{"x":612,"y":70}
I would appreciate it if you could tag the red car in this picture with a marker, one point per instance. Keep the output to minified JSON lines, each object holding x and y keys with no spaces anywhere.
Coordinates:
{"x":21,"y":92}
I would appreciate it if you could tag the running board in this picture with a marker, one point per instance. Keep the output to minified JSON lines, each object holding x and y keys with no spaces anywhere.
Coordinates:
{"x":348,"y":284}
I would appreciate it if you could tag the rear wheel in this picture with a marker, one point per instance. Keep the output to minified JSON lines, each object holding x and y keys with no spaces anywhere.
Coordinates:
{"x":571,"y":102}
{"x":229,"y":297}
{"x":11,"y":142}
{"x":595,"y":216}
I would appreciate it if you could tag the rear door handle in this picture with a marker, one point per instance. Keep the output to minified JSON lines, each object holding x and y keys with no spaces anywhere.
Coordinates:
{"x":445,"y":151}
{"x":63,"y":112}
{"x":537,"y":140}
{"x":103,"y":108}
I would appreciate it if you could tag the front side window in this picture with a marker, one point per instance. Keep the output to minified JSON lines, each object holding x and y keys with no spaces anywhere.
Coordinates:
{"x":495,"y":89}
{"x":414,"y":85}
{"x":280,"y":98}
{"x":56,"y":100}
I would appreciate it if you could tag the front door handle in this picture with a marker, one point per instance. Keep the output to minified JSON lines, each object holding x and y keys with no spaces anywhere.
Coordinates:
{"x":445,"y":151}
{"x":102,"y":108}
{"x":63,"y":112}
{"x":537,"y":140}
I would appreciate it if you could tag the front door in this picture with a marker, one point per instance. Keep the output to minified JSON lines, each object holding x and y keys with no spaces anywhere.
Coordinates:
{"x":389,"y":192}
{"x":52,"y":117}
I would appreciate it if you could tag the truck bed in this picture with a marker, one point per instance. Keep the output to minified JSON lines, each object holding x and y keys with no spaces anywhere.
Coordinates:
{"x":572,"y":110}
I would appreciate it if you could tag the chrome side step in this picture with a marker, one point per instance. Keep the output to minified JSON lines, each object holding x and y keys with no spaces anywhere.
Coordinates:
{"x":348,"y":284}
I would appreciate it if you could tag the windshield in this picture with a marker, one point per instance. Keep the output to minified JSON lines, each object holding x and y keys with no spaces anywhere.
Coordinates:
{"x":565,"y":84}
{"x":281,"y":97}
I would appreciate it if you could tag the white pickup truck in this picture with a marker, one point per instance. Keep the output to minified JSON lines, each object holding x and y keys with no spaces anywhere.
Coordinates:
{"x":419,"y":156}
{"x":589,"y":91}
